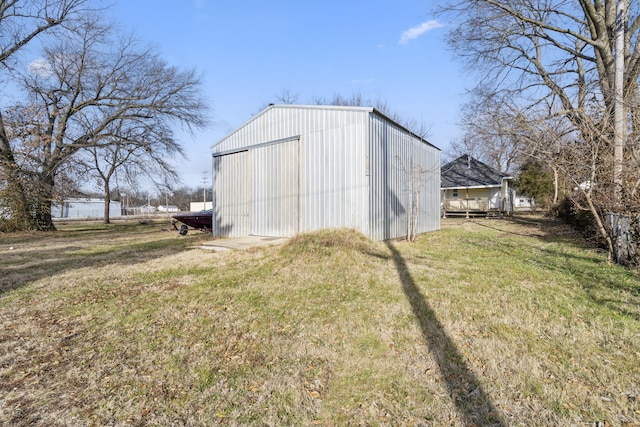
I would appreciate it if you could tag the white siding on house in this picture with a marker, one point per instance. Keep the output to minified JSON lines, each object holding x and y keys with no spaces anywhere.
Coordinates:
{"x":495,"y":198}
{"x":524,"y":203}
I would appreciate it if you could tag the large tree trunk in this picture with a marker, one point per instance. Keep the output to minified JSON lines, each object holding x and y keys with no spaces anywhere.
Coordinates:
{"x":12,"y":195}
{"x":12,"y":198}
{"x":42,"y":199}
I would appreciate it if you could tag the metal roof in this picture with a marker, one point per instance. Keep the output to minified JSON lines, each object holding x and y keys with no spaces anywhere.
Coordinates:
{"x":325,"y":107}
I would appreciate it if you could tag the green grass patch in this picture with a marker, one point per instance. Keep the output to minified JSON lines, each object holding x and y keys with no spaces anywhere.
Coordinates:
{"x":504,"y":322}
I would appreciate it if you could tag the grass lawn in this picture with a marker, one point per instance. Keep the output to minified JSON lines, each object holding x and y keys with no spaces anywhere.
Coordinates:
{"x":486,"y":322}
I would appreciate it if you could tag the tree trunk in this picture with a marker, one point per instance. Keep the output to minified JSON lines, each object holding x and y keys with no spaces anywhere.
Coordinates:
{"x":13,"y":196}
{"x":416,"y":215}
{"x":602,"y":229}
{"x":107,"y":202}
{"x":42,"y":198}
{"x":410,"y":207}
{"x":13,"y":199}
{"x":555,"y":186}
{"x":43,"y":219}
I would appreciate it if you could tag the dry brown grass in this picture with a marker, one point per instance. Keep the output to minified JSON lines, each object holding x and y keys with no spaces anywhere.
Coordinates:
{"x":482,"y":323}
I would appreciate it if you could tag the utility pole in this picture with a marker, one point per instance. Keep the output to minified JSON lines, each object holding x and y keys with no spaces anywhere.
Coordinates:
{"x":619,"y":133}
{"x":618,"y":114}
{"x":204,"y":189}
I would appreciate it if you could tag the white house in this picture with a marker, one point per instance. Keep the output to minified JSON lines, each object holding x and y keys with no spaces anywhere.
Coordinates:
{"x":470,"y":188}
{"x":296,"y":168}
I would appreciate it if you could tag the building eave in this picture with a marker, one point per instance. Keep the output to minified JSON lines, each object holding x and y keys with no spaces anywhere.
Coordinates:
{"x":459,"y":187}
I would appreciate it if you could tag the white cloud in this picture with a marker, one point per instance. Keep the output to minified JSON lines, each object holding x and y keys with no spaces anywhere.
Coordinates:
{"x":415,"y":32}
{"x":362,"y":81}
{"x":41,"y":68}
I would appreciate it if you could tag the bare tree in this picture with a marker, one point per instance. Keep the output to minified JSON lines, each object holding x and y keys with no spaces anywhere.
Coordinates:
{"x":461,"y":146}
{"x":287,"y":96}
{"x":134,"y":152}
{"x":550,"y":142}
{"x":415,"y":177}
{"x":556,"y":60}
{"x":21,"y":22}
{"x":97,"y":90}
{"x":419,"y":128}
{"x":489,"y":133}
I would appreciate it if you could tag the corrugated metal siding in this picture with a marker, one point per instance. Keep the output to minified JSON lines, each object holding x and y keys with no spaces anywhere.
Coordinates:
{"x":352,"y":172}
{"x":233,"y":194}
{"x":333,"y":185}
{"x":335,"y":165}
{"x":398,"y":162}
{"x":275,"y":190}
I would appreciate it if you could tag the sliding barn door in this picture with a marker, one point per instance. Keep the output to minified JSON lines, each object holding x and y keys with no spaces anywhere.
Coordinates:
{"x":276,"y":189}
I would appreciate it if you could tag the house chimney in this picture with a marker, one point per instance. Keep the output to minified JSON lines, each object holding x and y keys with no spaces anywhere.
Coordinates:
{"x":468,"y":161}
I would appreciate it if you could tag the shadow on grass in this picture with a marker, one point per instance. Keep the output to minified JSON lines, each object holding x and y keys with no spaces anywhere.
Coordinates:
{"x":612,"y":286}
{"x":473,"y":404}
{"x":548,"y":229}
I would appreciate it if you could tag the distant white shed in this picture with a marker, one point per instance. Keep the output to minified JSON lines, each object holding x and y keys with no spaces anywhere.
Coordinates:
{"x":524,"y":204}
{"x":293,"y":168}
{"x":168,"y":208}
{"x":200,"y":206}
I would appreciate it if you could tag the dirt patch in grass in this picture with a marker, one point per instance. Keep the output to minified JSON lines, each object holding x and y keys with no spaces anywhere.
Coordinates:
{"x":501,"y":322}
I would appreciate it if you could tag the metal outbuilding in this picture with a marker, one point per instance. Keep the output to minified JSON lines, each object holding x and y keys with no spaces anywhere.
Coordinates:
{"x":294,"y":168}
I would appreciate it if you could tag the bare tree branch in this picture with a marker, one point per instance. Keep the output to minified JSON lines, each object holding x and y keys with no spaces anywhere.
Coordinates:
{"x":105,"y":94}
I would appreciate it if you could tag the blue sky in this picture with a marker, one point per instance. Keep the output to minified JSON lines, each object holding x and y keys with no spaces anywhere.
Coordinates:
{"x":249,"y":51}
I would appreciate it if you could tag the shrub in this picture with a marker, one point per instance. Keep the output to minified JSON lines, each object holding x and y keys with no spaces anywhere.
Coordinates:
{"x":580,"y":219}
